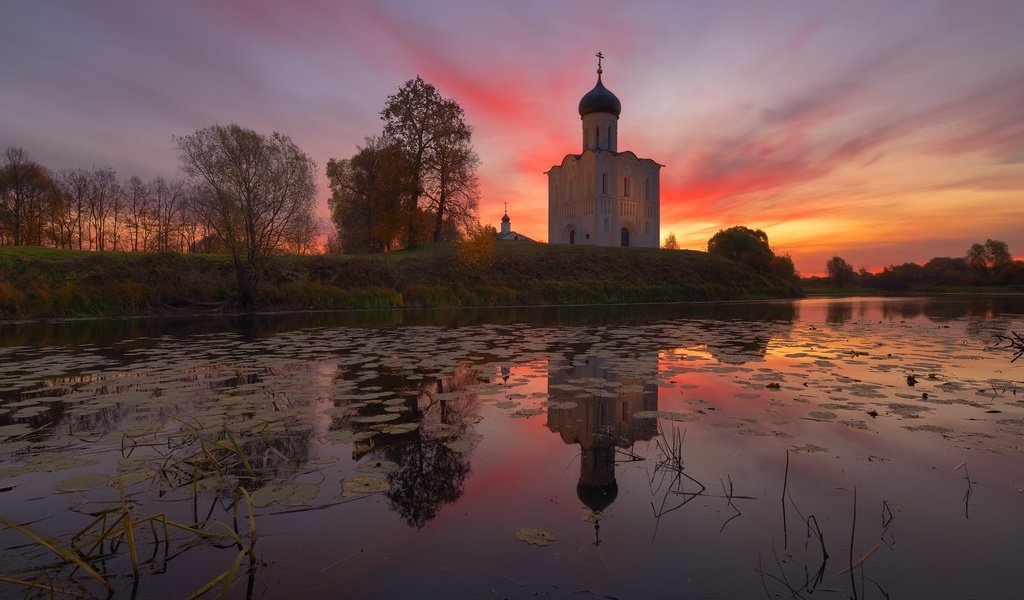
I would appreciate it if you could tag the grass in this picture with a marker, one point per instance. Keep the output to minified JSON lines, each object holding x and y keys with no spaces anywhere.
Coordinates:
{"x":45,"y":282}
{"x":117,"y":532}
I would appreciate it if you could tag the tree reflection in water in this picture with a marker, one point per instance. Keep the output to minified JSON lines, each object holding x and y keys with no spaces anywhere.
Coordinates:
{"x":429,"y":474}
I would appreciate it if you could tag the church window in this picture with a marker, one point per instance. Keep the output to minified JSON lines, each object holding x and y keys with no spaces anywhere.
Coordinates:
{"x":625,"y":187}
{"x":609,"y":138}
{"x":647,"y":227}
{"x":604,"y":183}
{"x":647,"y":189}
{"x":606,"y":224}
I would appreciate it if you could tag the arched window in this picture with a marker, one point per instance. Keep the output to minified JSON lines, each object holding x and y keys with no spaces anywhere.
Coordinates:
{"x":647,"y":189}
{"x":609,"y":138}
{"x":572,"y":237}
{"x":625,"y":237}
{"x":604,"y":183}
{"x":606,"y":224}
{"x":625,"y":187}
{"x":597,"y":137}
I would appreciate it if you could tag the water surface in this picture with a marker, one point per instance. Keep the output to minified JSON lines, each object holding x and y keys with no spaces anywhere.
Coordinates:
{"x":736,"y":450}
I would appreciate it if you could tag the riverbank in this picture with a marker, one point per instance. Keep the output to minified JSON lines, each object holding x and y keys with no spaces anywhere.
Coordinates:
{"x":44,"y":282}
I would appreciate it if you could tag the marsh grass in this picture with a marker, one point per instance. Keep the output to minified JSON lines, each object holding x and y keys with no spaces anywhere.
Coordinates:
{"x":112,"y":545}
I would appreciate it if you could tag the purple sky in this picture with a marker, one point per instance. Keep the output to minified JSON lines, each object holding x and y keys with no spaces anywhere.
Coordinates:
{"x":881,"y":131}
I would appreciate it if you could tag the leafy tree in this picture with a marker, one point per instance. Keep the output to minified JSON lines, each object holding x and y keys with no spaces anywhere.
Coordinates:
{"x":670,"y":242}
{"x":368,"y":192}
{"x":997,"y":254}
{"x":432,"y":132}
{"x":252,"y":188}
{"x":900,"y":277}
{"x":451,"y":185}
{"x":743,"y":245}
{"x":782,"y":266}
{"x":946,"y":270}
{"x":25,"y":191}
{"x":839,"y":271}
{"x":976,"y":258}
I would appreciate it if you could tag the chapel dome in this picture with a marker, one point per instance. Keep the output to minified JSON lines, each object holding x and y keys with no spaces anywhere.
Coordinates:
{"x":600,"y":99}
{"x":597,"y":497}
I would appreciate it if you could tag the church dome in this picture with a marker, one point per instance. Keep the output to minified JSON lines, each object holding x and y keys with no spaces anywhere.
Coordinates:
{"x":597,"y":497}
{"x":505,"y":219}
{"x":600,"y":99}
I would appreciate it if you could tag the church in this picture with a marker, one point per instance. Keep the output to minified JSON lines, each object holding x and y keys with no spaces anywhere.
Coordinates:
{"x":603,"y":197}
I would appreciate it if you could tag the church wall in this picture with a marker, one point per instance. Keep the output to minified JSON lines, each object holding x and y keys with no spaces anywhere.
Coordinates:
{"x":588,"y":194}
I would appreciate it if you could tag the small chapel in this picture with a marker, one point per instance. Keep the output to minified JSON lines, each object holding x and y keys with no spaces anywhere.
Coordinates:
{"x":603,"y":197}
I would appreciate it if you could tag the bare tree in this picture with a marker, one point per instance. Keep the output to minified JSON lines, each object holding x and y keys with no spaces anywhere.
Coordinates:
{"x":69,"y":221}
{"x":189,"y":223}
{"x":137,"y":204}
{"x":102,"y":191}
{"x":166,"y":204}
{"x":254,"y":188}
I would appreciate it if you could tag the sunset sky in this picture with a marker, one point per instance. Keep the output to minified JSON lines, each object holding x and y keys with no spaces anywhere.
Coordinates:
{"x":882,"y":131}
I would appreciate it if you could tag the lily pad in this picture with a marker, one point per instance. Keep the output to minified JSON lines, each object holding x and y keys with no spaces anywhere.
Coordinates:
{"x":382,"y":418}
{"x":134,"y":477}
{"x":526,"y":412}
{"x":365,"y":484}
{"x":82,"y":482}
{"x":347,"y":437}
{"x":291,"y":494}
{"x":396,"y":428}
{"x":535,"y":536}
{"x":377,"y":466}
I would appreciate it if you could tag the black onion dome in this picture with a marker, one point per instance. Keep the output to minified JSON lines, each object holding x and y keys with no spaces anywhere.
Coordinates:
{"x":597,"y":497}
{"x":505,"y":218}
{"x":600,"y":99}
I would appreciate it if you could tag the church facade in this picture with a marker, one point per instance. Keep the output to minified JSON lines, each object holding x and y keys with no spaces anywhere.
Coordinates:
{"x":603,"y":197}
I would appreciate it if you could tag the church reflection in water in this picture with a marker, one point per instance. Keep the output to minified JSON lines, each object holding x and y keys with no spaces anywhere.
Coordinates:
{"x":601,"y":420}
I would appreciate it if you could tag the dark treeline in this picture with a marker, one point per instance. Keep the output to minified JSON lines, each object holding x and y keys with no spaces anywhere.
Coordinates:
{"x":93,"y":209}
{"x":988,"y":264}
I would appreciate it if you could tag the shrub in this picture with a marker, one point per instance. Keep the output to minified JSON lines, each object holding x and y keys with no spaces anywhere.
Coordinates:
{"x":477,"y":248}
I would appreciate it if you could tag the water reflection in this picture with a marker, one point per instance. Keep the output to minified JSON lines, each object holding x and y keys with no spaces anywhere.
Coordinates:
{"x":593,"y":406}
{"x":751,"y":385}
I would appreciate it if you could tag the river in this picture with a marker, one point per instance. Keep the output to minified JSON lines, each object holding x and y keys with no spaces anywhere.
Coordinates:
{"x":860,"y":447}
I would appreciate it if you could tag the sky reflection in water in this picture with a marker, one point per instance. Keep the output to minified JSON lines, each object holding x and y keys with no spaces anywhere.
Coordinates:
{"x":651,"y":441}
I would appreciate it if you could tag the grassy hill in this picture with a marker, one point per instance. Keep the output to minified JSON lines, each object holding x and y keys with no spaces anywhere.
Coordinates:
{"x":43,"y":282}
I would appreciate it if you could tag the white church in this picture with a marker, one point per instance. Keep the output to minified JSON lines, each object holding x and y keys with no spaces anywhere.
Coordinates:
{"x":603,"y":197}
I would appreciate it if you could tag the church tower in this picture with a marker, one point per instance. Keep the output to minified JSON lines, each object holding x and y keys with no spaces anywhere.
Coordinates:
{"x":601,"y":196}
